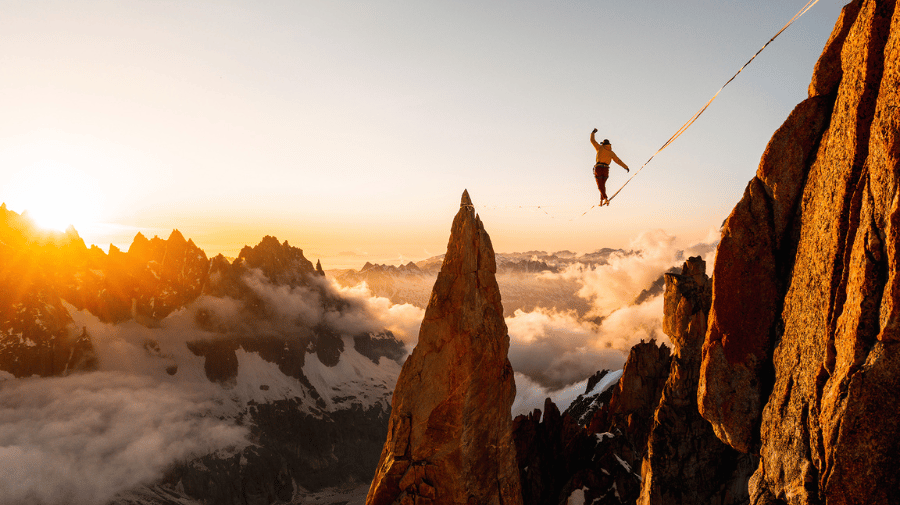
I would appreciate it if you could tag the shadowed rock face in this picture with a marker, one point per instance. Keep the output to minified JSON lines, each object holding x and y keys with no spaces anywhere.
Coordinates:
{"x":801,"y":361}
{"x":635,"y":397}
{"x":558,"y":456}
{"x":685,"y":462}
{"x":450,"y":432}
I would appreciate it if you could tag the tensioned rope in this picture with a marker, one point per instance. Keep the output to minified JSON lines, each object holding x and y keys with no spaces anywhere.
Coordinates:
{"x":693,"y":118}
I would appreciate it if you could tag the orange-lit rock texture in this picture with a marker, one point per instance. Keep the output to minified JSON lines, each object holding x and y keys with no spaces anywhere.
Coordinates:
{"x":450,"y":432}
{"x":801,"y":363}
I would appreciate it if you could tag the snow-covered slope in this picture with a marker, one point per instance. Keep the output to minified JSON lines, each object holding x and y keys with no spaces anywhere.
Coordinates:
{"x":597,"y":392}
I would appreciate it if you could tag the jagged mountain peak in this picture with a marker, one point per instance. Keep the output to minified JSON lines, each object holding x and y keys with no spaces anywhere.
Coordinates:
{"x":280,"y":262}
{"x":139,"y":242}
{"x":465,"y":201}
{"x":176,"y":237}
{"x":450,"y":427}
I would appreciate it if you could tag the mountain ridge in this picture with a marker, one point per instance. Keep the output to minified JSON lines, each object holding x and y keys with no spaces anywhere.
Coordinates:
{"x":263,"y":336}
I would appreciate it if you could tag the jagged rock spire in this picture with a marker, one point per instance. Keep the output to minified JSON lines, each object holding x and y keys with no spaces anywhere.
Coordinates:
{"x":450,"y":433}
{"x":715,"y":472}
{"x":319,"y":269}
{"x":466,"y":201}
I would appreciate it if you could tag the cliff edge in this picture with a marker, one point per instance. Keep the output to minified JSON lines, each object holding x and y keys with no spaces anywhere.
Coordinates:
{"x":801,"y":362}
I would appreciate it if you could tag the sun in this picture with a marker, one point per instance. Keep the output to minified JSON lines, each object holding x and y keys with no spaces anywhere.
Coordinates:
{"x":55,"y":216}
{"x":59,"y":197}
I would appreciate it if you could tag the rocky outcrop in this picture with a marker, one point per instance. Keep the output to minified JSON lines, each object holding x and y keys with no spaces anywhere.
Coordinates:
{"x":37,"y":335}
{"x":636,"y":395}
{"x":801,"y":362}
{"x":584,"y":406}
{"x":378,"y":345}
{"x":685,"y":462}
{"x":599,"y":462}
{"x":550,"y":448}
{"x":280,"y":263}
{"x":174,"y":274}
{"x":450,"y":432}
{"x":147,"y":283}
{"x":559,"y":459}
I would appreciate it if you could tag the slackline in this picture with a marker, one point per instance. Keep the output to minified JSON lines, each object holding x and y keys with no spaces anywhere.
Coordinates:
{"x":696,"y":115}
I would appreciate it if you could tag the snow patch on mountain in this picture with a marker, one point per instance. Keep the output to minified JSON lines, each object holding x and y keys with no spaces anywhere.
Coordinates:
{"x":261,"y":381}
{"x":530,"y":395}
{"x":355,"y":380}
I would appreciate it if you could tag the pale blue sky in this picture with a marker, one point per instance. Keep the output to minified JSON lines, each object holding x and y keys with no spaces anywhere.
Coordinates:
{"x":355,"y":126}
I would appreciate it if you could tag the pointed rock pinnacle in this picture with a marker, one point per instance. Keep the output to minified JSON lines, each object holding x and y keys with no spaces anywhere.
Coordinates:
{"x":466,"y":201}
{"x":450,"y":432}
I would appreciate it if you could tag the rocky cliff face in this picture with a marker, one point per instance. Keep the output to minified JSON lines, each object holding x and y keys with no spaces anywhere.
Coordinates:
{"x":685,"y":462}
{"x":450,"y":433}
{"x":801,"y":362}
{"x":637,"y":393}
{"x":585,"y":405}
{"x":562,"y":459}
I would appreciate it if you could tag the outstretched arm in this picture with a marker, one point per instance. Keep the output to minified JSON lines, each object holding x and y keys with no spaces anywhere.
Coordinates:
{"x":594,"y":141}
{"x":620,"y":162}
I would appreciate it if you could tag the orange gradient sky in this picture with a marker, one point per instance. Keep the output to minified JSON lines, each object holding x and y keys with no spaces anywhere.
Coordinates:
{"x":353,"y":127}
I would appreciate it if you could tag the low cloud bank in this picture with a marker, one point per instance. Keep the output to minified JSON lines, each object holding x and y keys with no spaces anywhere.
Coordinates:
{"x":559,"y":346}
{"x":84,"y":438}
{"x":616,"y":284}
{"x":555,"y":349}
{"x":403,"y":320}
{"x":81,"y":439}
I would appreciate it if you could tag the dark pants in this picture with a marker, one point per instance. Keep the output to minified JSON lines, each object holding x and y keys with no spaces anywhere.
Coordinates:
{"x":601,"y":173}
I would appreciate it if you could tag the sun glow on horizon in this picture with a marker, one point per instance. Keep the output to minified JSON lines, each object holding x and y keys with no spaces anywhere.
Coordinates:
{"x":57,"y":197}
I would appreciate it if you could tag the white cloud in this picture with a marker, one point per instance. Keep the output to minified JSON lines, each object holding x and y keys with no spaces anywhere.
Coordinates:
{"x":81,"y":439}
{"x":403,"y":320}
{"x":297,"y":304}
{"x":556,"y":348}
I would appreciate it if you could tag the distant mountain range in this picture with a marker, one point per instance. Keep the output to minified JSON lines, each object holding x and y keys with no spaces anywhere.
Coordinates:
{"x":518,"y":274}
{"x":265,"y":336}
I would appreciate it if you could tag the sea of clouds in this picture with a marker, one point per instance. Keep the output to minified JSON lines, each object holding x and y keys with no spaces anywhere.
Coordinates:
{"x":555,"y":349}
{"x":86,"y":437}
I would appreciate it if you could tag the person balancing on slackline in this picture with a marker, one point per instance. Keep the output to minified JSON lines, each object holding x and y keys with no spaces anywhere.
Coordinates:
{"x":605,"y":154}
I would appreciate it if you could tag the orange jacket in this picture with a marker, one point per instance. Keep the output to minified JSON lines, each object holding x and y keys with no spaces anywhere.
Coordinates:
{"x":605,"y":153}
